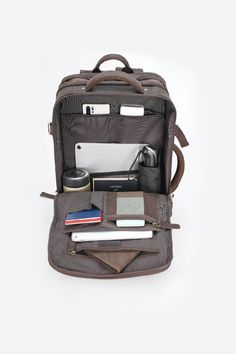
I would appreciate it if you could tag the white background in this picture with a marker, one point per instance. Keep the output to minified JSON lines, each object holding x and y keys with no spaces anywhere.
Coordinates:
{"x":190,"y":308}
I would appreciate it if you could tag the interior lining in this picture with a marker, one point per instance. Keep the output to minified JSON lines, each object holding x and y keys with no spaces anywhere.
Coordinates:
{"x":76,"y":127}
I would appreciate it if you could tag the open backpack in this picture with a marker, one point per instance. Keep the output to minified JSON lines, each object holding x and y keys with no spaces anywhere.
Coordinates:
{"x":120,"y":128}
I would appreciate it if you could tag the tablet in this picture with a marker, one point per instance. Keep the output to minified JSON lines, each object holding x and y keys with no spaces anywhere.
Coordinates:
{"x":100,"y":157}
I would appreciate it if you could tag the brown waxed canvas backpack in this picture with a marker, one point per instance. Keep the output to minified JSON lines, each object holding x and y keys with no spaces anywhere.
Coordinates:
{"x":99,"y":118}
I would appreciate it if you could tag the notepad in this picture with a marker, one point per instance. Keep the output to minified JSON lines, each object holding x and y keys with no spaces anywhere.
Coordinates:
{"x":130,"y":204}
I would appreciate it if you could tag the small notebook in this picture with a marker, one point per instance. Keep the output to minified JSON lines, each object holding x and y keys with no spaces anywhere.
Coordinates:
{"x":84,"y":217}
{"x":130,"y":204}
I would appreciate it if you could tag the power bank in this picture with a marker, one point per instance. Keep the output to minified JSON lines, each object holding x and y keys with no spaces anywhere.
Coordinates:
{"x":131,"y":110}
{"x":130,"y":223}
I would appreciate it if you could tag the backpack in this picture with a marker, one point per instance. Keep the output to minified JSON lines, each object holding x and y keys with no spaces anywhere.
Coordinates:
{"x":132,"y":128}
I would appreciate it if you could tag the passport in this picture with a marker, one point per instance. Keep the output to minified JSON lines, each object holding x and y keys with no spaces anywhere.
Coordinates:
{"x":84,"y":217}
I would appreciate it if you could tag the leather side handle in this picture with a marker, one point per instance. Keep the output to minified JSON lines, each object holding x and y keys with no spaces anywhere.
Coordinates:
{"x":107,"y":57}
{"x":180,"y":169}
{"x":114,"y":76}
{"x":180,"y":136}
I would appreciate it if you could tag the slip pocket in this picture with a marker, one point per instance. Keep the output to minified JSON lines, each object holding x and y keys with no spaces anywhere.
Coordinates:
{"x":153,"y":208}
{"x":149,"y":178}
{"x":77,"y":201}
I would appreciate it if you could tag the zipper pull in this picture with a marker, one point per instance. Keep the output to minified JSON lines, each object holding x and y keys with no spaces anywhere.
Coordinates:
{"x":48,"y":195}
{"x":71,"y":250}
{"x":156,"y":224}
{"x":165,"y":226}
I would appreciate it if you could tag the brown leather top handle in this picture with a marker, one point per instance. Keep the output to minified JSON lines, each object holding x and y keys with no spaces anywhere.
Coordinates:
{"x":180,"y":169}
{"x":107,"y":57}
{"x":114,"y":76}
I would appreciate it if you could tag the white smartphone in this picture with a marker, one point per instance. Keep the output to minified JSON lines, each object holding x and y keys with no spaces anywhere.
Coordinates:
{"x":89,"y":108}
{"x":131,"y":110}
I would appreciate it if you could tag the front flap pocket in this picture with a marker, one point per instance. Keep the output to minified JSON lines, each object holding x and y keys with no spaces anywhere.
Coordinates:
{"x":139,"y":211}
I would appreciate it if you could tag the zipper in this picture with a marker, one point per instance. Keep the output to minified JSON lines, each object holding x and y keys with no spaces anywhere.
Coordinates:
{"x":76,"y":85}
{"x":143,"y":76}
{"x":150,"y":220}
{"x":162,"y":85}
{"x":73,"y":252}
{"x":147,"y":113}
